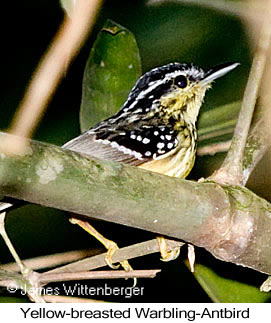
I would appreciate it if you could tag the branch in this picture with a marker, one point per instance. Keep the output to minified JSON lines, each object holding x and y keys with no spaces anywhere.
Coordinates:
{"x":230,"y":221}
{"x":51,"y":260}
{"x":259,"y":137}
{"x":126,"y":253}
{"x":47,"y":278}
{"x":51,"y":69}
{"x":257,"y":144}
{"x":7,"y":277}
{"x":77,"y":264}
{"x":231,"y":171}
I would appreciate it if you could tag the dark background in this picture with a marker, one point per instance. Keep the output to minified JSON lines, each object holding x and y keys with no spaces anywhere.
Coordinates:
{"x":164,"y":34}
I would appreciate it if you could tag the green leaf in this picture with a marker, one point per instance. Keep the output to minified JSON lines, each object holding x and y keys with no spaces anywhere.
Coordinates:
{"x":217,"y":124}
{"x":224,"y":290}
{"x":111,"y":71}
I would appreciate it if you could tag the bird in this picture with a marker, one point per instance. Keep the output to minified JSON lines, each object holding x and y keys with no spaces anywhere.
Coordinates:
{"x":155,"y":129}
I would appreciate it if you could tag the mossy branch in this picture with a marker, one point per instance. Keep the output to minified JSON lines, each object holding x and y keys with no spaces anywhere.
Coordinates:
{"x":231,"y":222}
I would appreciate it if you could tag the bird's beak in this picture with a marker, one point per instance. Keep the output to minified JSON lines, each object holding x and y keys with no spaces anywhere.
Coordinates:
{"x":217,"y":71}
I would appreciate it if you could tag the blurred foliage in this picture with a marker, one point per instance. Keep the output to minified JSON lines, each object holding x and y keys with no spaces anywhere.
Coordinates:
{"x":165,"y":33}
{"x":217,"y":125}
{"x":228,"y":290}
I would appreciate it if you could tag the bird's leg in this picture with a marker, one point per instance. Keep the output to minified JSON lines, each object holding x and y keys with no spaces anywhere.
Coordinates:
{"x":172,"y":255}
{"x":110,"y":245}
{"x":165,"y":255}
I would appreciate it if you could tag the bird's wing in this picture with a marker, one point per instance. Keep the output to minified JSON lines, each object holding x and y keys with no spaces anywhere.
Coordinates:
{"x":133,"y":146}
{"x":89,"y":145}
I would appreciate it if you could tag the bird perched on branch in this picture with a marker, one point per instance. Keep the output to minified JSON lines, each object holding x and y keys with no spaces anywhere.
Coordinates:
{"x":155,"y":129}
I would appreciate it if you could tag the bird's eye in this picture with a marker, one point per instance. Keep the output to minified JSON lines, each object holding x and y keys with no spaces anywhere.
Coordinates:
{"x":181,"y":81}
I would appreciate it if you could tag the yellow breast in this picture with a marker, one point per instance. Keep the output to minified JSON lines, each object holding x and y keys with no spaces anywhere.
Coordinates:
{"x":177,"y":163}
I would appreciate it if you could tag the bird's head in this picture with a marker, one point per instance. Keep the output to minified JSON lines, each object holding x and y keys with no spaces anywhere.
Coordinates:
{"x":174,"y":91}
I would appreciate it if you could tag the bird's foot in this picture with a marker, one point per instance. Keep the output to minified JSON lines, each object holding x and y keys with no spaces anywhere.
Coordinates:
{"x":165,"y":255}
{"x":110,"y":245}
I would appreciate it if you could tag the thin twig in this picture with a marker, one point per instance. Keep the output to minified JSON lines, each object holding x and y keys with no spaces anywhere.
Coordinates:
{"x":47,"y":278}
{"x":134,"y":251}
{"x":231,"y":171}
{"x":26,"y":272}
{"x":213,"y":149}
{"x":215,"y":134}
{"x":51,"y":69}
{"x":14,"y":278}
{"x":9,"y":244}
{"x":52,"y":260}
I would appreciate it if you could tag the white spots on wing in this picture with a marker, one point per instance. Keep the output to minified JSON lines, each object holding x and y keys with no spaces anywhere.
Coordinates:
{"x":114,"y":144}
{"x":128,"y":151}
{"x":48,"y":169}
{"x":133,"y":136}
{"x":160,"y":145}
{"x":137,"y":155}
{"x":138,"y":138}
{"x":156,"y":133}
{"x":130,"y":107}
{"x":169,"y":145}
{"x":162,"y":137}
{"x":168,"y":137}
{"x":124,"y":149}
{"x":146,"y":140}
{"x":132,"y":118}
{"x":147,"y":153}
{"x":104,"y":141}
{"x":139,"y":110}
